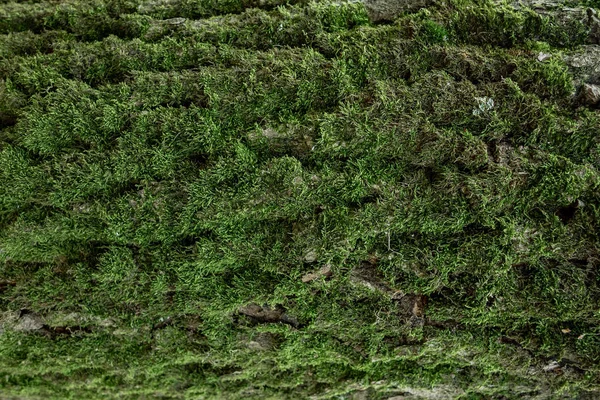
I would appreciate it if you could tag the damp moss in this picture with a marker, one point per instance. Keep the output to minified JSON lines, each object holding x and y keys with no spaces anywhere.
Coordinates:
{"x":164,"y":164}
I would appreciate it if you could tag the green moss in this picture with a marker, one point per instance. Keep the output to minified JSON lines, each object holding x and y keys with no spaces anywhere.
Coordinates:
{"x":486,"y":23}
{"x":166,"y":166}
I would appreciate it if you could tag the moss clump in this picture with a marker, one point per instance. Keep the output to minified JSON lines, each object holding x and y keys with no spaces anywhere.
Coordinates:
{"x":176,"y":175}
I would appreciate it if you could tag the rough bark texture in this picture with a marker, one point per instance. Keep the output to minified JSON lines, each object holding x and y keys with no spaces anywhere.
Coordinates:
{"x":290,"y":199}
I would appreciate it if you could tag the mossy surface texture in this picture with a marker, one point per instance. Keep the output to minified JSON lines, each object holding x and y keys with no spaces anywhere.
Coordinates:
{"x":236,"y":199}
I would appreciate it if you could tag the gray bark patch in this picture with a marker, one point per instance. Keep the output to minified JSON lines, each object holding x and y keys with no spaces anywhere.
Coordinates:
{"x":388,"y":10}
{"x":29,"y":323}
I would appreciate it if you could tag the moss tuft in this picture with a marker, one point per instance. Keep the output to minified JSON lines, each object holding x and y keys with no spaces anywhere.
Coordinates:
{"x":285,"y":199}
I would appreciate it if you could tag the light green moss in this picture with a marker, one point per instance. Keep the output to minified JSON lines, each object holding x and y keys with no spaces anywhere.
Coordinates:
{"x":158,"y":175}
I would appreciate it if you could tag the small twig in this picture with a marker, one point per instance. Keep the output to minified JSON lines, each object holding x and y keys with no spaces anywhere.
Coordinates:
{"x":389,"y":243}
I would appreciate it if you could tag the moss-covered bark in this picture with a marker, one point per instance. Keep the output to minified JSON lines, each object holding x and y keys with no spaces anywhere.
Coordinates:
{"x":286,"y":199}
